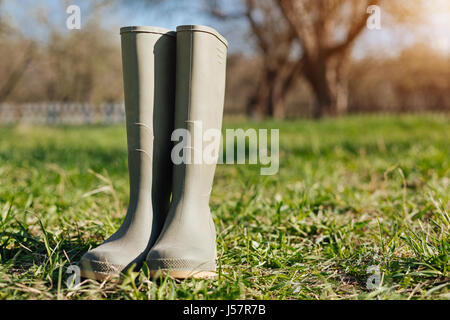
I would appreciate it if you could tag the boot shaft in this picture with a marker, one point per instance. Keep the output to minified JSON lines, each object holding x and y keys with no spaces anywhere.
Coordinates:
{"x":200,"y":83}
{"x":187,"y":243}
{"x":148,"y":58}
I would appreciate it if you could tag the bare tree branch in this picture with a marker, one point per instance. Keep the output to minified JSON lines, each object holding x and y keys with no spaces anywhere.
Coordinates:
{"x":355,"y":29}
{"x":298,"y":18}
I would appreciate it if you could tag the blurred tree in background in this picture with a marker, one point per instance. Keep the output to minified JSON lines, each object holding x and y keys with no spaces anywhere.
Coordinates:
{"x":301,"y":60}
{"x":80,"y":66}
{"x":324,"y":31}
{"x":17,"y":53}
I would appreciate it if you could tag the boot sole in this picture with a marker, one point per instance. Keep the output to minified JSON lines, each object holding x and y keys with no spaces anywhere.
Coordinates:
{"x":177,"y":274}
{"x":184,"y":274}
{"x":98,"y":270}
{"x":99,"y":276}
{"x":88,"y":273}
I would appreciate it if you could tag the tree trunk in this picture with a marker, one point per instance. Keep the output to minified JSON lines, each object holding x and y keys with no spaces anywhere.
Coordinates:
{"x":279,"y":107}
{"x":268,"y":101}
{"x":316,"y":74}
{"x":270,"y":97}
{"x":338,"y":69}
{"x":329,"y":82}
{"x":261,"y":104}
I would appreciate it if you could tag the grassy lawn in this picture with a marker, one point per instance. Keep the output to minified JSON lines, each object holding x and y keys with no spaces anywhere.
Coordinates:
{"x":352,"y":195}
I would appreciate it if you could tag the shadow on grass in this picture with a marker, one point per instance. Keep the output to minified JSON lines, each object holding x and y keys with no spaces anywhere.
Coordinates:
{"x":24,"y":254}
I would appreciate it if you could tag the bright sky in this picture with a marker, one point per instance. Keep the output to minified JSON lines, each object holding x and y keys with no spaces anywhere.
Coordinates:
{"x":439,"y":19}
{"x":436,"y":31}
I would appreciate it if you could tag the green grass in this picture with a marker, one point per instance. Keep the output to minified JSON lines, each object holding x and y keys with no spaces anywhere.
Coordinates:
{"x":351,"y":193}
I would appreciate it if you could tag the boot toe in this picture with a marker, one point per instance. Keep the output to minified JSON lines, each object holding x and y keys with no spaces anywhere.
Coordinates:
{"x":177,"y":259}
{"x":98,"y":264}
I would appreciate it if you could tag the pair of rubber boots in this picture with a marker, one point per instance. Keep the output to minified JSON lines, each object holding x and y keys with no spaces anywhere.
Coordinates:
{"x":172,"y":80}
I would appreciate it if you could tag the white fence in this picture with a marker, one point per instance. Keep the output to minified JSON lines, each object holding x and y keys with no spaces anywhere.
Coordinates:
{"x":62,"y":113}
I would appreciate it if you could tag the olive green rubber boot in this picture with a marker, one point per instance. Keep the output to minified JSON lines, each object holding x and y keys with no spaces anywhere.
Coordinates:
{"x":148,"y":58}
{"x":187,"y":244}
